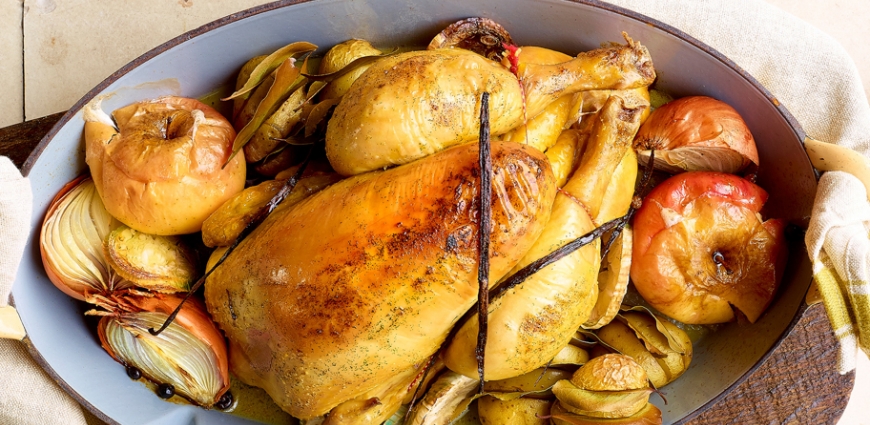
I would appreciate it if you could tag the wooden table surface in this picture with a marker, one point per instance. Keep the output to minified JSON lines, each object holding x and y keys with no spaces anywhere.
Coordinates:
{"x":797,"y":384}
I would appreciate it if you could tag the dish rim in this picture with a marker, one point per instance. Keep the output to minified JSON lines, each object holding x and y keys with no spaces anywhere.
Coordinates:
{"x":256,"y":10}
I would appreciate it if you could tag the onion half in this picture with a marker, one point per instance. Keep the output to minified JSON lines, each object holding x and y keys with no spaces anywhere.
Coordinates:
{"x":71,"y":242}
{"x":697,"y":133}
{"x":190,"y":353}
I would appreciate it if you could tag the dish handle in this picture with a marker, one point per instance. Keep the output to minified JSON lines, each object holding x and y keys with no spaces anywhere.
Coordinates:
{"x":10,"y":324}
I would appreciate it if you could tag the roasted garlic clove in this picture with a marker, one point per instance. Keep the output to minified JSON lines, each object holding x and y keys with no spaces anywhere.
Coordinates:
{"x":340,"y":56}
{"x":157,"y":263}
{"x":609,"y":386}
{"x":71,"y":242}
{"x":521,"y":411}
{"x":659,"y":346}
{"x":190,"y":354}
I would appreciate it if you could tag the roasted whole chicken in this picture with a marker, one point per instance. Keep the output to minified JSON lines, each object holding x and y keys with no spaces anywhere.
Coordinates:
{"x":336,"y":304}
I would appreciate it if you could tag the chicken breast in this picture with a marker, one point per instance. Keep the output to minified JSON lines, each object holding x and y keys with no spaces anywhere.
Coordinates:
{"x":362,"y":282}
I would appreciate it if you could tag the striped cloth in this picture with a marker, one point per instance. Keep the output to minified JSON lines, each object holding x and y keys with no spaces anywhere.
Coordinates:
{"x":838,"y":241}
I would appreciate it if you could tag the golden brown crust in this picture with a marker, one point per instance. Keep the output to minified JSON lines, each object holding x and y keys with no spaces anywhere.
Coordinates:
{"x":364,"y":279}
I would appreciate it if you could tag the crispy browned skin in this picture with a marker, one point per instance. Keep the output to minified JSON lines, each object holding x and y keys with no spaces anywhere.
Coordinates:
{"x":530,"y":323}
{"x":362,"y":281}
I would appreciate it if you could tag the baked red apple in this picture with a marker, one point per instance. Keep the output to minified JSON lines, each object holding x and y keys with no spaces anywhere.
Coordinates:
{"x":701,"y":247}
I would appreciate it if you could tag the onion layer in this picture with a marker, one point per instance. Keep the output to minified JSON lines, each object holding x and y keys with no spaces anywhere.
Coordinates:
{"x":71,"y":242}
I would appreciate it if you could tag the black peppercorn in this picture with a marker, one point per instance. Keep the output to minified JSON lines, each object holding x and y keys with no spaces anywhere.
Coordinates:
{"x":133,"y":373}
{"x":165,"y":390}
{"x":225,"y":402}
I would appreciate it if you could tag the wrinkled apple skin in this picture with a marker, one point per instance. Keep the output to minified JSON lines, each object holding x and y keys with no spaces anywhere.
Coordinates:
{"x":701,"y":248}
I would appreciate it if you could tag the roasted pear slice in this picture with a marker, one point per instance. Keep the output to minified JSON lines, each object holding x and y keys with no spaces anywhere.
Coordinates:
{"x":158,"y":263}
{"x":521,"y":411}
{"x":601,"y":404}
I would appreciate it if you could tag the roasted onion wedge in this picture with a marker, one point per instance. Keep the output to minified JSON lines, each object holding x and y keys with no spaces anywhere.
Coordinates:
{"x":190,"y":354}
{"x":71,"y":242}
{"x":480,"y":35}
{"x":612,"y":281}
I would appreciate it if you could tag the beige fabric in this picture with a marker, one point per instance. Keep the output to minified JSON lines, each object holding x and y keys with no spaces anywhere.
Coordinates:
{"x":838,"y":243}
{"x":15,"y":205}
{"x":27,"y":394}
{"x":805,"y":69}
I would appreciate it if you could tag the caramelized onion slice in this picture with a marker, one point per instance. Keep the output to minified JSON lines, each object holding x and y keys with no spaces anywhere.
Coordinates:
{"x":612,"y":281}
{"x":71,"y":242}
{"x":480,"y":35}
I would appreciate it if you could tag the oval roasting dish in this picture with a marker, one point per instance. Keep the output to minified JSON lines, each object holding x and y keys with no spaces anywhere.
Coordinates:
{"x":197,"y":62}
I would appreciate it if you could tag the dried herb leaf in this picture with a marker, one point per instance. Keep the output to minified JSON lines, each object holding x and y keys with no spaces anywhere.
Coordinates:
{"x":317,"y":114}
{"x":287,"y":79}
{"x":270,"y":63}
{"x":356,"y":63}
